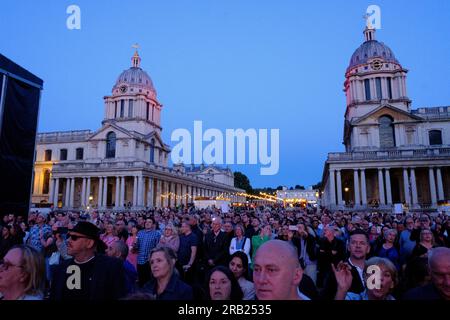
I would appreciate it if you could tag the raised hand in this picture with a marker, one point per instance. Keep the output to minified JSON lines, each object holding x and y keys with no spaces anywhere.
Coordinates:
{"x":343,"y":275}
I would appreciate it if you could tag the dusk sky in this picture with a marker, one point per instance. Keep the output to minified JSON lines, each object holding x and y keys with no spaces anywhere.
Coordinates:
{"x":260,"y":64}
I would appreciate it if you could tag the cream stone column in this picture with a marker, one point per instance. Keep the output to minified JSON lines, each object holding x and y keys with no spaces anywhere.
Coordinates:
{"x":440,"y":184}
{"x":339,"y":186}
{"x":388,"y":187}
{"x":356,"y":187}
{"x":332,"y":187}
{"x":67,"y":197}
{"x":158,"y":193}
{"x":140,"y":196}
{"x":150,"y":193}
{"x":83,"y":192}
{"x":72,"y":192}
{"x":122,"y":191}
{"x":56,"y":195}
{"x":88,"y":191}
{"x":100,"y":193}
{"x":381,"y":186}
{"x":406,"y":186}
{"x":105,"y":192}
{"x":432,"y":186}
{"x":135,"y":191}
{"x":117,"y":194}
{"x":363,"y":187}
{"x":50,"y":190}
{"x":413,"y":187}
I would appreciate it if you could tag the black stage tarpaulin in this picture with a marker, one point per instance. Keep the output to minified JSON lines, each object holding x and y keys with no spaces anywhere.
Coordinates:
{"x":19,"y":109}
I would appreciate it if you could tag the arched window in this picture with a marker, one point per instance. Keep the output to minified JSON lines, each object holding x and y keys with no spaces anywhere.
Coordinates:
{"x":152,"y":151}
{"x":111,"y":145}
{"x":435,"y":137}
{"x":46,"y":185}
{"x":387,"y":135}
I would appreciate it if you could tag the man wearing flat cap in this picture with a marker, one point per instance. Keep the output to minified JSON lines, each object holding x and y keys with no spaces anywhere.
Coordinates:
{"x":89,"y":275}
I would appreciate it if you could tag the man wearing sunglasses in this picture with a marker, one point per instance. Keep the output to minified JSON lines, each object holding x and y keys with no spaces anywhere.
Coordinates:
{"x":89,"y":275}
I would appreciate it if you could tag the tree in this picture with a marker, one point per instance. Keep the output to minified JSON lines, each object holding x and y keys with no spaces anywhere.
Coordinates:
{"x":299,"y":187}
{"x":280,"y":188}
{"x":242,"y":182}
{"x":317,"y":186}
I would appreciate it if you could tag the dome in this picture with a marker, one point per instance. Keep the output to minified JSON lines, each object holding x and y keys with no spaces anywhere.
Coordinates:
{"x":369,"y":50}
{"x":136,"y":79}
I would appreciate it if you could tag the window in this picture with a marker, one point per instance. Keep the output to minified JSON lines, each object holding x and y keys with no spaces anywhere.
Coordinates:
{"x":46,"y":184}
{"x":111,"y":145}
{"x":48,"y":155}
{"x":389,"y":88}
{"x":63,"y":154}
{"x":79,"y":153}
{"x":148,"y":111}
{"x":435,"y":137}
{"x":152,"y":151}
{"x":122,"y":108}
{"x":130,"y":108}
{"x":115,"y":109}
{"x":387,"y":136}
{"x":367,"y":89}
{"x":379,"y":91}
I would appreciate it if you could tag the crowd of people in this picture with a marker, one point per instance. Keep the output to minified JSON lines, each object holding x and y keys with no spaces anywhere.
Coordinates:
{"x":262,"y":253}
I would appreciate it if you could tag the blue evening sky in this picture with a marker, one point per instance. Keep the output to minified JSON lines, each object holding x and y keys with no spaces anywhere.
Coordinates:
{"x":230,"y":63}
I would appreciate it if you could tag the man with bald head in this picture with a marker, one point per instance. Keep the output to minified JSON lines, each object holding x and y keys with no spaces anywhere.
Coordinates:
{"x":277,"y":272}
{"x":439,"y":269}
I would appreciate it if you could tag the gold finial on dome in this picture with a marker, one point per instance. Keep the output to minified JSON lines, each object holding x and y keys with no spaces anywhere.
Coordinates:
{"x":136,"y":60}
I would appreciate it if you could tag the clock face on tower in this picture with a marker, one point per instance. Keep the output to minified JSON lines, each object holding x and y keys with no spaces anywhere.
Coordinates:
{"x":123,"y":89}
{"x":376,"y":64}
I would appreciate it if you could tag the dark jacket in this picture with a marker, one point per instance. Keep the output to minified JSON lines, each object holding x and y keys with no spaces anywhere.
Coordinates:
{"x":216,"y":248}
{"x":108,"y":282}
{"x":325,"y":255}
{"x":330,"y":287}
{"x":175,"y":289}
{"x":311,"y":248}
{"x":427,"y":292}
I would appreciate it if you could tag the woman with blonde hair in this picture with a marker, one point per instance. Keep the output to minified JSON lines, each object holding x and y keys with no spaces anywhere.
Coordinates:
{"x":22,"y":274}
{"x":170,"y":238}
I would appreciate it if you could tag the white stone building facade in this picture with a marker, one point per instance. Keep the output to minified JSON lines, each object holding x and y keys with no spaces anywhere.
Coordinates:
{"x":394,"y":154}
{"x":124,"y":164}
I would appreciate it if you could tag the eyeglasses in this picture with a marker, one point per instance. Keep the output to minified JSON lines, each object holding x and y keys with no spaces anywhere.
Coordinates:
{"x":5,"y":265}
{"x":74,"y":237}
